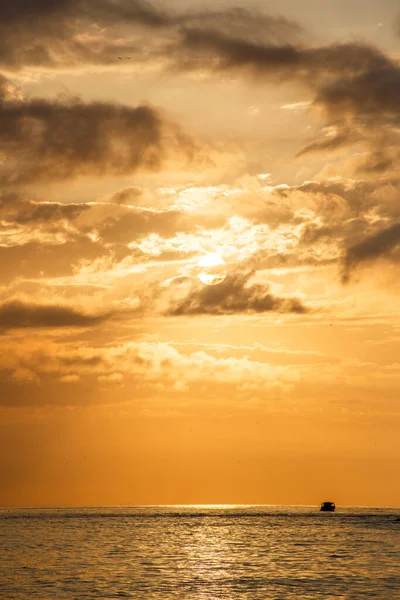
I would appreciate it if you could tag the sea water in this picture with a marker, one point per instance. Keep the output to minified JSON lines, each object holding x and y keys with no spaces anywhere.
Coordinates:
{"x":199,"y":553}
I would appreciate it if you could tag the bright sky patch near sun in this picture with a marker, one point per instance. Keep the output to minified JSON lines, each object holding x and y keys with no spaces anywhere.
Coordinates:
{"x":200,"y":251}
{"x":212,"y":269}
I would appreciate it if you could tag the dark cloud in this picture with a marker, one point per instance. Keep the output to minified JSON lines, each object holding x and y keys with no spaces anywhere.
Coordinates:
{"x":128,"y":196}
{"x":16,"y":314}
{"x":380,"y":161}
{"x":47,"y":33}
{"x":347,"y":218}
{"x":233,"y":296}
{"x":230,"y":38}
{"x":61,"y":139}
{"x":24,"y":11}
{"x":334,"y":202}
{"x":345,"y":76}
{"x":136,"y":11}
{"x":345,"y":136}
{"x":242,"y":24}
{"x":350,"y":81}
{"x":356,"y":85}
{"x":314,"y":65}
{"x":18,"y":210}
{"x":378,"y":245}
{"x":372,"y":91}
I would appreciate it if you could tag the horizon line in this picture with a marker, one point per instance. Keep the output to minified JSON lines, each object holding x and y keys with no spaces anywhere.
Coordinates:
{"x":191,"y":505}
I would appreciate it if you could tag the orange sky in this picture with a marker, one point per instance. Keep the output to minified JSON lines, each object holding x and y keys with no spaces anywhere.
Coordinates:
{"x":270,"y":138}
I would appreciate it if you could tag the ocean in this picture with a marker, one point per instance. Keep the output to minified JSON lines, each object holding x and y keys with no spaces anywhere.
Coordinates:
{"x":199,"y":553}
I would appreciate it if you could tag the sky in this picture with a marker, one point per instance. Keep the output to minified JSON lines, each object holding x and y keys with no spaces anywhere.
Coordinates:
{"x":137,"y":139}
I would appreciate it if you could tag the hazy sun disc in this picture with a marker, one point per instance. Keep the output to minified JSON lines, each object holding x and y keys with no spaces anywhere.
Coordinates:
{"x":212,"y":269}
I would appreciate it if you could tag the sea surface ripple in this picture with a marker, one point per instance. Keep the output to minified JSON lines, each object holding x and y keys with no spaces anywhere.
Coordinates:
{"x":199,"y":553}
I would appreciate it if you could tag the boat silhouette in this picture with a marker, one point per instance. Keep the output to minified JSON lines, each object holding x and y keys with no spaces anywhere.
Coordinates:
{"x":327,"y":507}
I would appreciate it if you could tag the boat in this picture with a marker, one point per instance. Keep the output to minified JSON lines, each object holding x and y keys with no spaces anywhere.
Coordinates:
{"x":327,"y":506}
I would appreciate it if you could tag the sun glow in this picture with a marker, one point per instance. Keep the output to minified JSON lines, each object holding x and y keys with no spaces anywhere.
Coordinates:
{"x":212,"y":269}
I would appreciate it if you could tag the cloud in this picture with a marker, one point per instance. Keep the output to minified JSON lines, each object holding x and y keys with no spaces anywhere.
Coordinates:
{"x":69,"y":378}
{"x":141,"y":365}
{"x":26,"y":220}
{"x":397,"y":25}
{"x":62,"y":139}
{"x":24,"y":11}
{"x":355,"y":84}
{"x":16,"y":314}
{"x":376,"y":162}
{"x":18,"y":210}
{"x":345,"y":76}
{"x":233,"y":296}
{"x":136,"y":223}
{"x":128,"y":196}
{"x":34,"y":259}
{"x":376,"y":246}
{"x":371,"y":92}
{"x":232,"y":37}
{"x":73,"y":32}
{"x":314,"y":65}
{"x":344,"y":221}
{"x":343,"y":136}
{"x":144,"y":371}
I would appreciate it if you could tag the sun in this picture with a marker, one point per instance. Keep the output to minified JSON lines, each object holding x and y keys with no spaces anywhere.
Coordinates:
{"x":212,"y":269}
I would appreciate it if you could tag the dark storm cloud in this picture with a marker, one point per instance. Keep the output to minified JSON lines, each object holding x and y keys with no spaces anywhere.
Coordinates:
{"x":378,"y":245}
{"x":56,"y":140}
{"x":15,"y":314}
{"x":233,"y":296}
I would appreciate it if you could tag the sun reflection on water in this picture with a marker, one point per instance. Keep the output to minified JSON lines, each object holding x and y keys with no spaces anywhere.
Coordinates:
{"x":199,"y":552}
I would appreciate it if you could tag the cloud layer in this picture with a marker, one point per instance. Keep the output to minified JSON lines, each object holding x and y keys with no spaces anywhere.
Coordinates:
{"x":47,"y":141}
{"x":15,"y":314}
{"x":130,"y":252}
{"x":233,"y":296}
